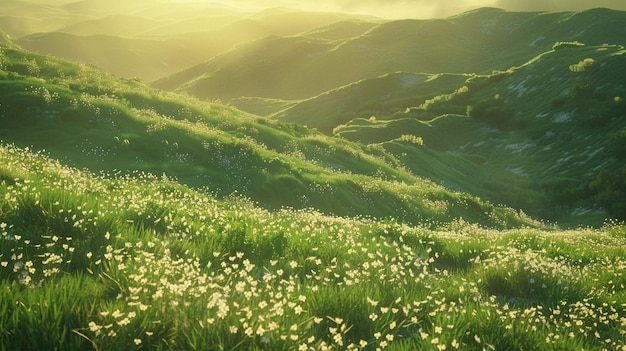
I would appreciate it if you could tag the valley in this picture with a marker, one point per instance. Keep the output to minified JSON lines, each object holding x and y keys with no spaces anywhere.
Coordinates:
{"x":201,"y":175}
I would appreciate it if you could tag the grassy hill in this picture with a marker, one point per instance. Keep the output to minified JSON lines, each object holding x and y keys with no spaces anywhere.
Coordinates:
{"x":336,"y":77}
{"x":5,"y":41}
{"x":87,"y":118}
{"x":381,"y":96}
{"x":109,"y":262}
{"x":554,"y":136}
{"x":546,"y":133}
{"x":295,"y":67}
{"x":113,"y":53}
{"x":476,"y":42}
{"x":133,"y":218}
{"x":114,"y":25}
{"x":19,"y":18}
{"x":557,"y":135}
{"x":146,"y":39}
{"x":342,"y":30}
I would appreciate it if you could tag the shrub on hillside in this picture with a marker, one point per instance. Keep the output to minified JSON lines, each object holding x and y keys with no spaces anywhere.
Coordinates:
{"x":476,"y":83}
{"x":604,"y":114}
{"x":583,"y":65}
{"x":566,"y":44}
{"x":610,"y":189}
{"x":493,"y":112}
{"x":618,"y":107}
{"x":562,"y":192}
{"x":447,"y":103}
{"x":411,"y":139}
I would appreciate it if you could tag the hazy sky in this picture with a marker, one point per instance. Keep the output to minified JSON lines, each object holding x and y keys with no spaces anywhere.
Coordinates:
{"x":434,"y":8}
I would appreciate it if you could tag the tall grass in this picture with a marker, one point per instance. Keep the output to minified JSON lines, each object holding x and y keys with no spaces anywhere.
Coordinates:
{"x":138,"y":262}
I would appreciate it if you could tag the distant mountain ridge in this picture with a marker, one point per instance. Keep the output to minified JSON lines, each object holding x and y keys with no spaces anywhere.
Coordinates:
{"x":167,"y":35}
{"x":521,"y":109}
{"x":474,"y":42}
{"x":547,"y":130}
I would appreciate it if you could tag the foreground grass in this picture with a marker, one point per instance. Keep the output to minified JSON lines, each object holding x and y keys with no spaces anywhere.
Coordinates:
{"x":139,"y":262}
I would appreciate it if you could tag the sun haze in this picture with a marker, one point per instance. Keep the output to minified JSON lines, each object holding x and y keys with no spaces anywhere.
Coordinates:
{"x":429,"y":9}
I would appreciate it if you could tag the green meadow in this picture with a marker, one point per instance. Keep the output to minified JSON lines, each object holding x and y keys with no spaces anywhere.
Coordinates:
{"x":314,"y":181}
{"x":136,"y":261}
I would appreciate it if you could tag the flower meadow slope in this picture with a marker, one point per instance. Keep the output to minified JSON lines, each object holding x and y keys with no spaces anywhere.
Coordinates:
{"x":90,"y":262}
{"x":91,"y":120}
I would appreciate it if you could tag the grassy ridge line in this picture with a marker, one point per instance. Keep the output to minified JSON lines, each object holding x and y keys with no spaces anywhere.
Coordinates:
{"x":550,"y":125}
{"x":86,"y":118}
{"x":438,"y":158}
{"x":474,"y":42}
{"x":261,"y":106}
{"x":129,"y":262}
{"x":381,"y":97}
{"x":157,"y":40}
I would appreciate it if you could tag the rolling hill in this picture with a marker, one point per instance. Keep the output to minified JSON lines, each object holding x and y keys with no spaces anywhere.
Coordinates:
{"x":381,"y":96}
{"x":138,"y":261}
{"x":19,"y":18}
{"x":544,"y":90}
{"x":113,"y":25}
{"x":149,"y":40}
{"x":5,"y":40}
{"x":136,"y":218}
{"x":553,"y":124}
{"x":476,"y":42}
{"x":89,"y":119}
{"x":509,"y":156}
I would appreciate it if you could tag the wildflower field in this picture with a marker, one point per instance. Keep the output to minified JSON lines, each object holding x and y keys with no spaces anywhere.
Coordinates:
{"x":111,"y":262}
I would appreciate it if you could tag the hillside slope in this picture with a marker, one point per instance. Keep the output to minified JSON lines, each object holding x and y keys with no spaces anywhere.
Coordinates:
{"x":554,"y":125}
{"x":475,"y":42}
{"x":379,"y":97}
{"x":122,"y":262}
{"x":5,"y":40}
{"x":86,"y":118}
{"x":148,"y":39}
{"x":19,"y":18}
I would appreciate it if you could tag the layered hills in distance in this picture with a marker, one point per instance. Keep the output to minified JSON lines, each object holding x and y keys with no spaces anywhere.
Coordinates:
{"x":500,"y":99}
{"x":146,"y":39}
{"x":523,"y":109}
{"x":194,"y":175}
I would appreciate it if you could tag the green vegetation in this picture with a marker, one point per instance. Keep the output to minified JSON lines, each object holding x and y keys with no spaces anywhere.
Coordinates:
{"x":542,"y":142}
{"x":411,"y":139}
{"x":478,"y":42}
{"x":609,"y":191}
{"x":381,"y":96}
{"x":493,"y":112}
{"x":143,"y":39}
{"x":567,"y":44}
{"x":86,"y":118}
{"x":582,"y":65}
{"x":336,"y":72}
{"x":110,"y":262}
{"x":350,"y":208}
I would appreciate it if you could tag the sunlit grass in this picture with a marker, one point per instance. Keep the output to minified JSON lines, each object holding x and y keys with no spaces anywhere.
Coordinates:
{"x":88,"y":119}
{"x":125,"y":262}
{"x":109,"y":258}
